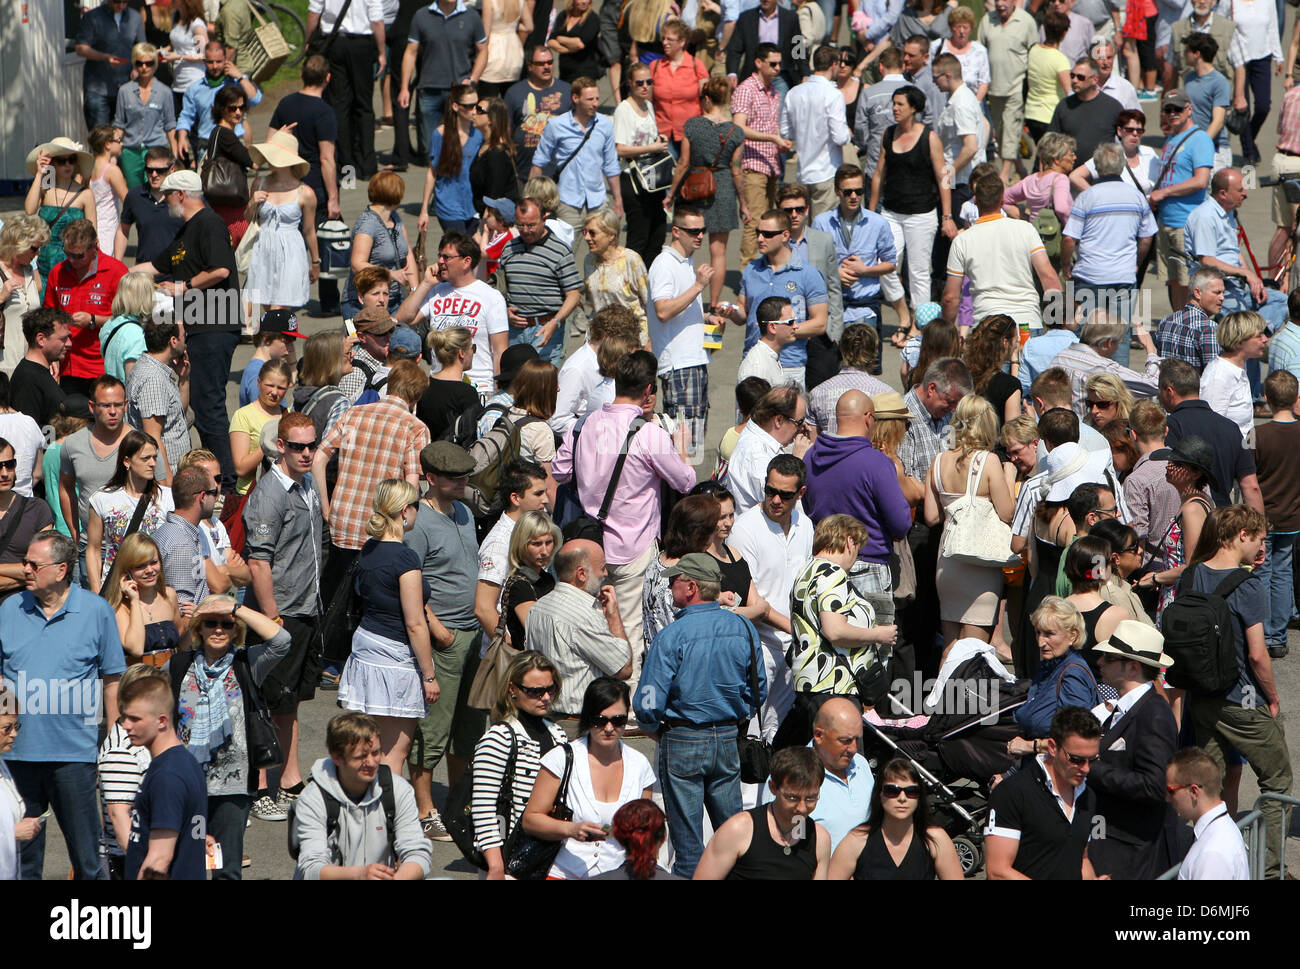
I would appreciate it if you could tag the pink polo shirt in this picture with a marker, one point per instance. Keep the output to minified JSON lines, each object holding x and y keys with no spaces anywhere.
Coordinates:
{"x":633,"y":522}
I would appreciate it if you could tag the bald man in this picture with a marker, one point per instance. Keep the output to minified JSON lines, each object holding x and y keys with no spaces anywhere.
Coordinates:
{"x":846,"y":475}
{"x":846,"y":791}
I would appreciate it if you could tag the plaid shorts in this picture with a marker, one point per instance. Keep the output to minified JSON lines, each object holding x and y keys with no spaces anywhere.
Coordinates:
{"x":686,"y":393}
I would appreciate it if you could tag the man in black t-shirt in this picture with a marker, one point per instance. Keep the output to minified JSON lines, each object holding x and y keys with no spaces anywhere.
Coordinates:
{"x":144,"y":208}
{"x":169,"y":816}
{"x":205,"y":285}
{"x":32,"y":388}
{"x":1087,"y":115}
{"x":1040,"y":818}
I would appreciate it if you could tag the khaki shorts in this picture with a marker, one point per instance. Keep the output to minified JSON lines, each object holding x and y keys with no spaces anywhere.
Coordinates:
{"x":1007,"y":115}
{"x":1283,"y":166}
{"x":1173,"y":255}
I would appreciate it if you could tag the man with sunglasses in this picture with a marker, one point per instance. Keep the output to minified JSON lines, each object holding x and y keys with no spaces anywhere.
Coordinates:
{"x":62,"y":642}
{"x":1186,"y":162}
{"x":1086,"y":115}
{"x":83,"y":286}
{"x":145,"y":208}
{"x":104,"y":40}
{"x":195,"y":124}
{"x":283,"y":522}
{"x":1041,"y":817}
{"x":155,"y":394}
{"x":1194,"y":785}
{"x":180,"y":544}
{"x":32,"y":516}
{"x":1139,"y":735}
{"x":756,"y":108}
{"x":533,"y":102}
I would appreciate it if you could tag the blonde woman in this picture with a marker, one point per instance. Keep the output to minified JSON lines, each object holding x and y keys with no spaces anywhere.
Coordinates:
{"x":390,"y":673}
{"x":573,"y":39}
{"x":616,"y":275}
{"x":21,"y":283}
{"x":1062,"y":678}
{"x":449,"y":396}
{"x":148,"y":614}
{"x":121,"y":339}
{"x":533,"y":545}
{"x":146,"y":110}
{"x":968,"y":594}
{"x":1225,"y":385}
{"x":506,"y":23}
{"x":1107,"y":400}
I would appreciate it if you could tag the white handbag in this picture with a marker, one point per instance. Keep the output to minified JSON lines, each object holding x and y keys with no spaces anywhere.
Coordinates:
{"x":972,"y":530}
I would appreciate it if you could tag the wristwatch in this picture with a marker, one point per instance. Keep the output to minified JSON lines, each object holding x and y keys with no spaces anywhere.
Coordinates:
{"x":430,"y":679}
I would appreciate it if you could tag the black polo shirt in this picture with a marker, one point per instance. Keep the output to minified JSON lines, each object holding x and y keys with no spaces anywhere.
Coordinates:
{"x":202,"y":244}
{"x":1024,"y":808}
{"x":155,"y":226}
{"x":1232,"y":459}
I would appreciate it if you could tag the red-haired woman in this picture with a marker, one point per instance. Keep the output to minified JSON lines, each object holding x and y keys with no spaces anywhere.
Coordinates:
{"x":639,"y":827}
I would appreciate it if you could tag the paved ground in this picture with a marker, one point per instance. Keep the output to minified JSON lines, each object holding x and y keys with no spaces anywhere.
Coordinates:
{"x":265,"y":842}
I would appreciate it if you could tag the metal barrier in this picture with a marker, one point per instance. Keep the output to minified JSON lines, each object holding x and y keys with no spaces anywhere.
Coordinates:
{"x":1251,"y":827}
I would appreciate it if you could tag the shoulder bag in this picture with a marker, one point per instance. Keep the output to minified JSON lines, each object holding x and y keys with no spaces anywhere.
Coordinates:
{"x":1164,"y":170}
{"x":498,"y":656}
{"x":583,"y":525}
{"x":318,"y":43}
{"x":755,"y":752}
{"x":973,"y":532}
{"x":137,"y":516}
{"x":699,"y":184}
{"x":591,"y":130}
{"x":458,"y":814}
{"x":529,"y":858}
{"x":224,"y":180}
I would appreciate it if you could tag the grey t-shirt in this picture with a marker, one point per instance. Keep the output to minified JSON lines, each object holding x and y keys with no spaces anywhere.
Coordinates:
{"x":448,"y":552}
{"x":448,"y":45}
{"x":91,"y":471}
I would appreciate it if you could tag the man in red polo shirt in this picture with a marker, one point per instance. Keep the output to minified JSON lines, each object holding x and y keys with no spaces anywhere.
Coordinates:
{"x":83,"y":286}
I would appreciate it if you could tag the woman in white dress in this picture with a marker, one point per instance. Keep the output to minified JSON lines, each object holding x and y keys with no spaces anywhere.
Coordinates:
{"x":286,"y":256}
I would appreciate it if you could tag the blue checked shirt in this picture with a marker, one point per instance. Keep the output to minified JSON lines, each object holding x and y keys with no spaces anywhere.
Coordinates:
{"x":582,"y":183}
{"x":1189,"y":334}
{"x":181,"y":548}
{"x":870,"y":239}
{"x":1284,"y":349}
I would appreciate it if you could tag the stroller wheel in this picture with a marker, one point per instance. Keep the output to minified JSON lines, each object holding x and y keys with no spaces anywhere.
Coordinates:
{"x":970,"y":853}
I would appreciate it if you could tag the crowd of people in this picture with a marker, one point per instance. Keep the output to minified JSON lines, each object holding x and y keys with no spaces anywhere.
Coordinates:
{"x":509,"y":553}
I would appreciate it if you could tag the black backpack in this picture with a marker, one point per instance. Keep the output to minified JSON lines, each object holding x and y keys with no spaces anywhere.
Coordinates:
{"x":1201,"y":636}
{"x":332,"y":808}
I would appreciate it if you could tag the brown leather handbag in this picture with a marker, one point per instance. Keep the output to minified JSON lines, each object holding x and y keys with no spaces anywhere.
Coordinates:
{"x":699,"y":184}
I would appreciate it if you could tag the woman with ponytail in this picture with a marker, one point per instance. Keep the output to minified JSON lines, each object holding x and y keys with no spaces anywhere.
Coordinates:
{"x":639,"y":826}
{"x":449,"y":395}
{"x":1087,"y":566}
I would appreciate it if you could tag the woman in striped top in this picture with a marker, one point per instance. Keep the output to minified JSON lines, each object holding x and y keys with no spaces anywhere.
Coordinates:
{"x":531,"y":685}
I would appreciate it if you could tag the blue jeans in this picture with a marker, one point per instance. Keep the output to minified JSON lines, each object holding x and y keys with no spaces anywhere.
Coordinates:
{"x":554,"y":349}
{"x":429,"y":102}
{"x":210,"y":356}
{"x":698,"y":770}
{"x":68,"y":788}
{"x":97,"y":107}
{"x":227,"y":816}
{"x":1277,"y":576}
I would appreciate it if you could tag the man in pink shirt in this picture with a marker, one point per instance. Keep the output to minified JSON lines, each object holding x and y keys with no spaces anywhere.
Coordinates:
{"x":632,"y":525}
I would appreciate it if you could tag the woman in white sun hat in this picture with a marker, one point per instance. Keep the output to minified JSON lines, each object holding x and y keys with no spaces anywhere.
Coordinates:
{"x":286,"y":258}
{"x":60,"y":193}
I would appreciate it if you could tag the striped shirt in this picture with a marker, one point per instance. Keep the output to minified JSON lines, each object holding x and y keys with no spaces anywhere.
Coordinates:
{"x":491,"y":756}
{"x":373,"y":442}
{"x":1026,"y":504}
{"x":761,"y":107}
{"x":181,"y":547}
{"x":121,"y":768}
{"x":153,"y":390}
{"x":568,"y":627}
{"x":538,"y":276}
{"x":923,"y":440}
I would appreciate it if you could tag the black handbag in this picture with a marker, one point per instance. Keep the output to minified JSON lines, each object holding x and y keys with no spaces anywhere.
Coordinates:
{"x":458,"y":815}
{"x":529,"y":858}
{"x":755,"y":752}
{"x":264,"y":750}
{"x":318,"y":42}
{"x":224,"y":180}
{"x":582,"y":525}
{"x":651,"y":174}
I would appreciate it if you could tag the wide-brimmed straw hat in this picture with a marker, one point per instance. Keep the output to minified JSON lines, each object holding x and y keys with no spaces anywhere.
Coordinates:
{"x":281,"y":151}
{"x":58,"y":148}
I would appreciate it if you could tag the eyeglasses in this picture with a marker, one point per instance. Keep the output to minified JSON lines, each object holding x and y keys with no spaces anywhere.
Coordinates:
{"x":235,"y":107}
{"x":76,"y":255}
{"x":1078,"y":760}
{"x":33,"y":249}
{"x":913,"y":791}
{"x":854,"y":191}
{"x":1172,"y":109}
{"x":794,"y":209}
{"x":467,"y":104}
{"x":543,"y":63}
{"x":1132,"y":549}
{"x":12,"y":729}
{"x":1175,"y":788}
{"x":847,"y":61}
{"x":769,"y":233}
{"x":1079,"y":77}
{"x":160,"y":172}
{"x":226,"y":624}
{"x":618,"y":720}
{"x":690,"y":231}
{"x":1100,"y":404}
{"x":537,"y":692}
{"x":778,"y":493}
{"x":37,"y":566}
{"x":63,"y":160}
{"x":480,"y":109}
{"x":774,"y":65}
{"x":299,"y":446}
{"x":1107,"y":512}
{"x":644,"y":82}
{"x":10,"y":465}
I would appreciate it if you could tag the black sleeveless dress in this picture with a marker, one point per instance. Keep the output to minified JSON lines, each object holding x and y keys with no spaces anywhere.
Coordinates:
{"x":1090,"y":620}
{"x":909,"y":186}
{"x":765,"y":860}
{"x":875,"y":863}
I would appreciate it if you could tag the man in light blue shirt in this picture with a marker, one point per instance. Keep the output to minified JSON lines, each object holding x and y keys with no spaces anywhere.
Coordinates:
{"x":585,"y":158}
{"x":1211,"y":240}
{"x":194,"y":126}
{"x":1284,"y":347}
{"x":864,"y":246}
{"x":846,"y":791}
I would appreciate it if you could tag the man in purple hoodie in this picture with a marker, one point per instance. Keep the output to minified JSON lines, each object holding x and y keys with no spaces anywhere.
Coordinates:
{"x":846,"y":475}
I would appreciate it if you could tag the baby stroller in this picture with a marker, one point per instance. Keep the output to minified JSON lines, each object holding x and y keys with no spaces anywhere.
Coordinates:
{"x":957,"y":744}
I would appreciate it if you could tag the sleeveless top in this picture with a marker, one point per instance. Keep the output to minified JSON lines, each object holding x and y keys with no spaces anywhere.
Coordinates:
{"x":876,"y":864}
{"x":909,"y":187}
{"x":765,"y":860}
{"x":1090,"y":620}
{"x":106,"y":213}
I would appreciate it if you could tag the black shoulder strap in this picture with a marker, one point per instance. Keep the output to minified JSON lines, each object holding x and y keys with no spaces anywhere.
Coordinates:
{"x":757,"y":709}
{"x":389,"y":800}
{"x":1229,"y":585}
{"x":137,"y":516}
{"x":104,"y":344}
{"x":338,"y":25}
{"x":13,"y":519}
{"x":591,"y":130}
{"x":365,"y":368}
{"x":332,"y":808}
{"x":573,"y":450}
{"x":605,"y":505}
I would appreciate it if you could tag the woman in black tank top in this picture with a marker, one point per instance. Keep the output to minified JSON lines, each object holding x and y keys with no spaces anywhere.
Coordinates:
{"x":1087,"y":566}
{"x":898,"y":842}
{"x":912,"y":192}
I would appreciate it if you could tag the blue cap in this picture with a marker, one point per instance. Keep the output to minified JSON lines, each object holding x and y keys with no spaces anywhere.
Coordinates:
{"x":926,"y":313}
{"x":504,"y":207}
{"x":404,"y":344}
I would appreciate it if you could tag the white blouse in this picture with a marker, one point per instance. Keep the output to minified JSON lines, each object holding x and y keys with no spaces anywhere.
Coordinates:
{"x":1225,"y":387}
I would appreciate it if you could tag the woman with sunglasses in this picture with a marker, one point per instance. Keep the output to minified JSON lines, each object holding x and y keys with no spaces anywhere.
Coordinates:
{"x":146,"y":113}
{"x":21,"y":283}
{"x":849,"y":83}
{"x":604,"y":774}
{"x":228,"y":110}
{"x":1125,"y":562}
{"x":573,"y":40}
{"x":492,"y":172}
{"x":615,"y":275}
{"x":60,"y":194}
{"x":519,"y":737}
{"x":898,"y":842}
{"x":1106,"y":400}
{"x":1142,"y":163}
{"x":148,"y":614}
{"x":637,"y":136}
{"x":113,"y":508}
{"x":215,"y":685}
{"x":452,"y":149}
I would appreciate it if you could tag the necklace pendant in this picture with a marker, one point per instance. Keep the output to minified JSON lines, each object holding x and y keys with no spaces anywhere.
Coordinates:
{"x":785,"y":850}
